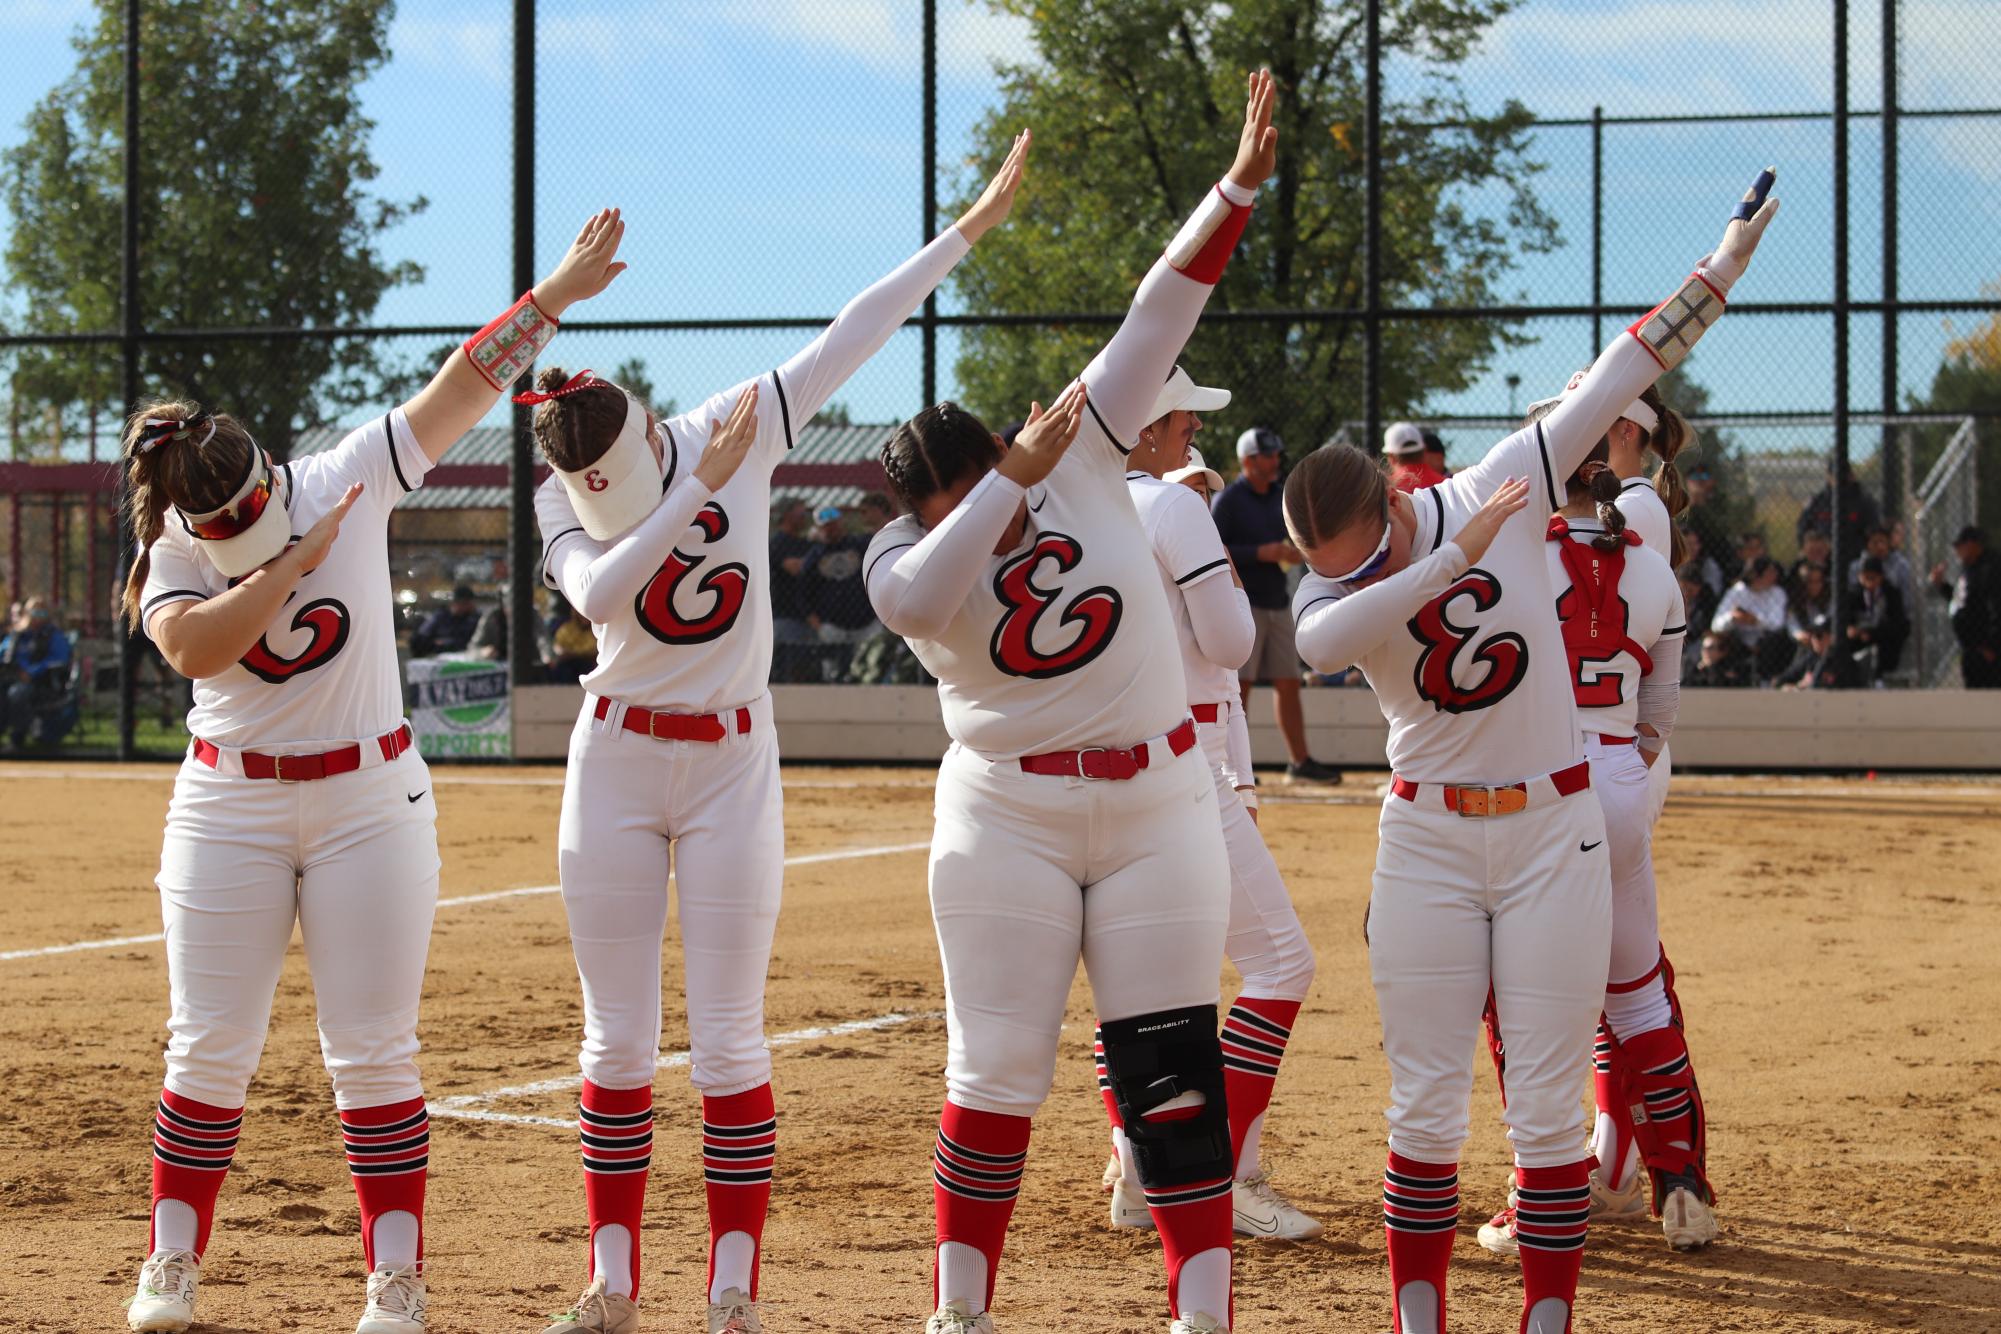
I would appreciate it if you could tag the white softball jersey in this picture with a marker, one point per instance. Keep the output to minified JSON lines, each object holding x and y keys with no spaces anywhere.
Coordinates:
{"x":696,"y":636}
{"x":1647,"y":514}
{"x":326,"y":669}
{"x":1195,"y":575}
{"x":1645,"y":611}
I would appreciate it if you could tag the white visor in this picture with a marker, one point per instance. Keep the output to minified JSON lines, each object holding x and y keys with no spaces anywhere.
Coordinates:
{"x":266,"y":537}
{"x":1181,"y":393}
{"x":1636,"y":412}
{"x":623,"y":486}
{"x":1195,"y":467}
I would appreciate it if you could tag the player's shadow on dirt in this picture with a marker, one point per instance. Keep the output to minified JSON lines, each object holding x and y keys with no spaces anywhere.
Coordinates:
{"x":1948,"y":1245}
{"x":1790,"y":1276}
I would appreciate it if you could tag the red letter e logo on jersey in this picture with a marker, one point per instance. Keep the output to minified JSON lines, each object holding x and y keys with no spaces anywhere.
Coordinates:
{"x":1506,"y":655}
{"x":326,"y":618}
{"x":725,"y":586}
{"x":1094,"y":612}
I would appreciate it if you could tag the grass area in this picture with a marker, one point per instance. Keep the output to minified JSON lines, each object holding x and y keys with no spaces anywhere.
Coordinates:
{"x":97,"y":734}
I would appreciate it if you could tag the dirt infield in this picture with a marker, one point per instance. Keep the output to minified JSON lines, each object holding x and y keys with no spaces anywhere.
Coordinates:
{"x":1835,"y":943}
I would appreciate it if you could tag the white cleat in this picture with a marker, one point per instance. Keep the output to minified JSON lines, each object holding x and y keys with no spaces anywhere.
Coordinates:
{"x":1497,"y":1234}
{"x":1257,"y":1210}
{"x":1129,"y":1203}
{"x":1112,"y":1173}
{"x":1199,"y":1323}
{"x":165,"y":1301}
{"x":395,"y":1302}
{"x":1688,"y":1222}
{"x":953,"y":1318}
{"x":736,"y":1313}
{"x":1631,"y":1202}
{"x":597,"y":1312}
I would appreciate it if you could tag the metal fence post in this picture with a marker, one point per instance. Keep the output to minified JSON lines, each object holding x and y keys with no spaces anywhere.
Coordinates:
{"x":1838,"y":558}
{"x":1597,"y":235}
{"x":1372,"y":231}
{"x":523,"y":654}
{"x":128,"y":644}
{"x":1893,"y":472}
{"x":930,"y":319}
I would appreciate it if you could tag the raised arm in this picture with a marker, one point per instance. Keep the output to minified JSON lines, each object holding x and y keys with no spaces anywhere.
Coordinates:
{"x":472,"y":379}
{"x":1125,"y":377}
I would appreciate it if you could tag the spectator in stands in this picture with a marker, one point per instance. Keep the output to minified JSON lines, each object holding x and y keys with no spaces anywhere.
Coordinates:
{"x":1753,"y":612}
{"x":1719,"y":665}
{"x":1696,"y":552}
{"x":1750,"y":547}
{"x":792,"y":630}
{"x":1847,"y":505}
{"x":841,"y":615}
{"x":1816,"y":665}
{"x":573,"y":646}
{"x":1252,"y":526}
{"x":1808,"y":596}
{"x":1815,"y":549}
{"x":1975,"y":600}
{"x":1434,"y":454}
{"x":1403,"y":450}
{"x":1704,"y":515}
{"x":1699,"y":601}
{"x":1896,"y":568}
{"x":872,"y":513}
{"x":489,"y":638}
{"x":35,"y":663}
{"x":1874,"y":621}
{"x":448,"y":629}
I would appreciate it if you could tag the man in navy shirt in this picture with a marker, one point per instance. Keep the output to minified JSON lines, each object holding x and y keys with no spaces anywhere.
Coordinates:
{"x":1251,"y":519}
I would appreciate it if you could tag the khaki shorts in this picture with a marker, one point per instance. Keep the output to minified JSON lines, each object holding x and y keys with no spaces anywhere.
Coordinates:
{"x":1274,"y":655}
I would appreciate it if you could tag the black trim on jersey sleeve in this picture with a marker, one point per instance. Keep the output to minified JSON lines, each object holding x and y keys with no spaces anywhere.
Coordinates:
{"x":1201,"y":570}
{"x":673,"y":457}
{"x":171,"y":595}
{"x":1300,"y":615}
{"x":1135,"y":476}
{"x":784,"y":408}
{"x":1123,"y":449}
{"x":1635,"y":484}
{"x":869,"y":573}
{"x":1438,"y":503}
{"x":1674,"y":630}
{"x":389,"y":434}
{"x":549,"y":549}
{"x":291,"y":486}
{"x":1548,"y":478}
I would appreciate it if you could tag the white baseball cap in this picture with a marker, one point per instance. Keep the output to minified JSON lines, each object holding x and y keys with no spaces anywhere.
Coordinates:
{"x":1195,"y":467}
{"x":1402,"y":438}
{"x":1259,"y":440}
{"x":1181,"y":393}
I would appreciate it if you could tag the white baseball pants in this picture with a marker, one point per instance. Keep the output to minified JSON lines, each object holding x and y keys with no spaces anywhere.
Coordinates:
{"x":353,"y":859}
{"x":1520,"y":902}
{"x":1029,"y":871}
{"x":627,"y":800}
{"x":1265,"y":941}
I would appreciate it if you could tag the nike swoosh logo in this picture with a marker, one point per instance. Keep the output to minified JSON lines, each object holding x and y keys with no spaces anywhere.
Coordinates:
{"x":1586,"y":847}
{"x":419,"y":797}
{"x":1035,"y":505}
{"x":1245,"y":1221}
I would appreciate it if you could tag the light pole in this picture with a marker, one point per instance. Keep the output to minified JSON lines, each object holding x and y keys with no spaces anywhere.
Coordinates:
{"x":1514,"y":382}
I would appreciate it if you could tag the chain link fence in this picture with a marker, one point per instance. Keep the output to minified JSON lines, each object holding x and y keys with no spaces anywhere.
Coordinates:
{"x":1454,"y":233}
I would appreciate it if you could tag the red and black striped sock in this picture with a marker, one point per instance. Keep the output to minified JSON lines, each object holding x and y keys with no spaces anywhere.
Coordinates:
{"x":1552,"y":1214}
{"x":615,"y":1130}
{"x":976,"y":1174}
{"x":739,"y":1146}
{"x":193,"y":1146}
{"x":389,"y":1155}
{"x":1609,"y":1092}
{"x":1420,"y":1219}
{"x":1191,"y":1218}
{"x":1105,"y":1080}
{"x":1254,"y":1036}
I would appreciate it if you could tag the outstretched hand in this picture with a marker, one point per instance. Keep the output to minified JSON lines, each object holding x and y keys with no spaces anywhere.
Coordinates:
{"x":1504,"y":504}
{"x":1042,"y":442}
{"x":588,"y":268}
{"x":310,"y":550}
{"x":729,"y":442}
{"x":1257,"y":146}
{"x":990,"y":210}
{"x":1741,"y":236}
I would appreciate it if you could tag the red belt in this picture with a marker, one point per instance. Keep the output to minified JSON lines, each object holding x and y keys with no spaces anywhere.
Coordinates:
{"x":1099,"y":762}
{"x":1208,"y":713}
{"x":1604,"y":740}
{"x":1506,"y":800}
{"x":307,"y":768}
{"x":677,"y":726}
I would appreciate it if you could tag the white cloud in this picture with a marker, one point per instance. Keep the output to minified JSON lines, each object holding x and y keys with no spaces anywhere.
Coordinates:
{"x":886,"y":34}
{"x":482,"y":47}
{"x":41,"y":15}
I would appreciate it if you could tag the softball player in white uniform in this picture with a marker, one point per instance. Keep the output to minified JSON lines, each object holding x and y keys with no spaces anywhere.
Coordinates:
{"x":674,"y":756}
{"x":1073,"y":815}
{"x":301,"y":798}
{"x":1213,"y":624}
{"x":1492,"y":870}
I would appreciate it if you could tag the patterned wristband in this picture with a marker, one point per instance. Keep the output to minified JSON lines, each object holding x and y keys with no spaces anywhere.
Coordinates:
{"x":1670,"y":329}
{"x":505,"y":349}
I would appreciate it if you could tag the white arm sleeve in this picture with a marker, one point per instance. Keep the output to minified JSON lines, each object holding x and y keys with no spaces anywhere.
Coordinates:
{"x":1660,"y":693}
{"x":1220,"y":616}
{"x":917,"y":594}
{"x":598,"y":580}
{"x":1238,"y":768}
{"x":1335,"y":630}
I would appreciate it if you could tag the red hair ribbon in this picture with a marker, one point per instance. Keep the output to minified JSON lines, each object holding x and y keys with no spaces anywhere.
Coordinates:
{"x":158,"y":431}
{"x":581,"y":380}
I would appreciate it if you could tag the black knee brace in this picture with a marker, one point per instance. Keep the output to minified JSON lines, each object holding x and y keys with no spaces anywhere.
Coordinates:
{"x":1154,"y":1058}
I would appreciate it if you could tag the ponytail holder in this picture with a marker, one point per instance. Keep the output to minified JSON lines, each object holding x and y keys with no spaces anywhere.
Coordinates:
{"x":1559,"y":528}
{"x":581,"y":380}
{"x":159,"y":431}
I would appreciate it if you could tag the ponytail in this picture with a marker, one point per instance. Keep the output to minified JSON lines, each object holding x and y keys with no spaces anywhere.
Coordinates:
{"x":195,"y":468}
{"x":1668,"y":440}
{"x":1603,"y":485}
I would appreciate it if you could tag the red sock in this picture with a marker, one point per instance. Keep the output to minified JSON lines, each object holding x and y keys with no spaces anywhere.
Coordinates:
{"x":975,"y":1175}
{"x":615,"y":1128}
{"x":389,"y":1154}
{"x":1552,"y":1210}
{"x":1105,"y":1081}
{"x":1491,"y":1017}
{"x":739,"y":1145}
{"x":1254,"y":1036}
{"x":1420,"y":1220}
{"x":1191,"y":1218}
{"x":193,"y":1144}
{"x":1608,"y":1086}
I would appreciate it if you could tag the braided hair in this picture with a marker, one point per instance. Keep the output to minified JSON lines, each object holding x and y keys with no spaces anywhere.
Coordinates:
{"x":934,"y":451}
{"x":175,"y":454}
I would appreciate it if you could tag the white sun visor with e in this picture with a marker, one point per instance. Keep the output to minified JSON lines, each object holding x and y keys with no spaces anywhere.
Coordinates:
{"x":252,"y":526}
{"x":623,"y":485}
{"x":1181,"y":393}
{"x":1636,"y":412}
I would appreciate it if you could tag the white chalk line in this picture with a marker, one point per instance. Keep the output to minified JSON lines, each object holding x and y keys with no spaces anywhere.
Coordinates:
{"x":464,"y":1106}
{"x":805,"y":859}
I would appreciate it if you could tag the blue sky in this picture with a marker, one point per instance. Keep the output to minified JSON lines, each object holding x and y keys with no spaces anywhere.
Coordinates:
{"x":766,"y":152}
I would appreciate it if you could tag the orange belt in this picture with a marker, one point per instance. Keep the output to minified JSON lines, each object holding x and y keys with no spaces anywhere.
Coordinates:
{"x":1507,"y":800}
{"x":307,"y":768}
{"x":677,"y":726}
{"x":1100,"y":762}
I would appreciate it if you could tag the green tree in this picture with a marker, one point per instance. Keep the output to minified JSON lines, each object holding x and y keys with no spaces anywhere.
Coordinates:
{"x":1136,"y":105}
{"x":1968,"y":380}
{"x":254,"y":210}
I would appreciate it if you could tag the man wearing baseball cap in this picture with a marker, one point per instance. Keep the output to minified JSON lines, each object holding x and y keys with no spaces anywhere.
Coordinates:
{"x":1975,"y":599}
{"x":1250,"y":518}
{"x":1403,"y":446}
